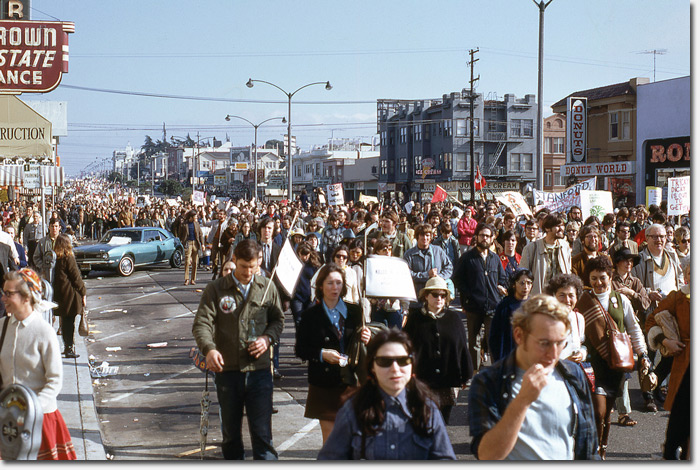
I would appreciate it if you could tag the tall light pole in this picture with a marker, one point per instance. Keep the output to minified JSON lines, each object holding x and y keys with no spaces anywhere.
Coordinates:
{"x":255,"y":158}
{"x":539,"y":176}
{"x":249,"y":84}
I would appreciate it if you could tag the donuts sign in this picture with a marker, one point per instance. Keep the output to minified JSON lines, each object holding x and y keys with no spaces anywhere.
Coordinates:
{"x":576,"y":127}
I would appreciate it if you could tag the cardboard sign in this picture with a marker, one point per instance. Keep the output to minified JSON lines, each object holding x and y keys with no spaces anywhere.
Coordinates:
{"x":335,"y":194}
{"x":368,"y":199}
{"x":564,"y":200}
{"x":654,"y":194}
{"x":198,"y":198}
{"x":597,"y":203}
{"x":516,"y":202}
{"x":679,"y":195}
{"x":288,"y":268}
{"x":389,"y":276}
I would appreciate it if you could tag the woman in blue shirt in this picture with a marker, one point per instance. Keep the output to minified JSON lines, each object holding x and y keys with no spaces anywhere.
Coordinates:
{"x":392,"y":416}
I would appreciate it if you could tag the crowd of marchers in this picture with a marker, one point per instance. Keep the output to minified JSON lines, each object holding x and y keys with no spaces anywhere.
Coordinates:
{"x":541,"y":296}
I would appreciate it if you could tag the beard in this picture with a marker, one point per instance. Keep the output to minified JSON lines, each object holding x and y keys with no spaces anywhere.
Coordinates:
{"x":482,"y":245}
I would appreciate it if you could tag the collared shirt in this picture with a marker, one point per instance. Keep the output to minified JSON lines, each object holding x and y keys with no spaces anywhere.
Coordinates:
{"x":395,"y":440}
{"x":335,"y":313}
{"x":244,"y":288}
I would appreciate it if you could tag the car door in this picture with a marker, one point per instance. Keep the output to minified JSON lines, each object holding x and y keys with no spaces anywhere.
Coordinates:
{"x":148,"y":250}
{"x":163,"y":251}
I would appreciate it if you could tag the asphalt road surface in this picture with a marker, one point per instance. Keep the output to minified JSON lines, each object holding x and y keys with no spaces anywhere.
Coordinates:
{"x":150,"y":410}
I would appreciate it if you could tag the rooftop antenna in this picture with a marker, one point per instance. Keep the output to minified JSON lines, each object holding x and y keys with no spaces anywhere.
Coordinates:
{"x":655,"y":52}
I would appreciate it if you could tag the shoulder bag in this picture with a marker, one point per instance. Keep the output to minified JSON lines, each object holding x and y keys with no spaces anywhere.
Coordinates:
{"x":621,"y":357}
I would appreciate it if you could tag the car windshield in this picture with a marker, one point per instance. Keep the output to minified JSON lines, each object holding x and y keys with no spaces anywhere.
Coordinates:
{"x":121,"y":237}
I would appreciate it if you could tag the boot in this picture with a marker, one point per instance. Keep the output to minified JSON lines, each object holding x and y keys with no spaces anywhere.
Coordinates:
{"x":70,"y":352}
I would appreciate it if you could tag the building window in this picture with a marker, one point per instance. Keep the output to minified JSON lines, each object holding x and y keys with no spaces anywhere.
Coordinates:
{"x":548,"y":179}
{"x":515,"y":162}
{"x":340,"y":172}
{"x":625,"y":122}
{"x":477,"y":127}
{"x":614,"y":135}
{"x":416,"y":162}
{"x":404,"y":133}
{"x":447,"y":158}
{"x":436,"y":127}
{"x":521,"y":162}
{"x":462,"y":127}
{"x":402,"y":163}
{"x":557,"y":179}
{"x":383,"y":140}
{"x":521,"y":128}
{"x":417,"y":134}
{"x":318,"y":169}
{"x":447,"y":125}
{"x":426,"y":127}
{"x":391,"y":137}
{"x":382,"y":167}
{"x":461,"y":162}
{"x":554,"y":145}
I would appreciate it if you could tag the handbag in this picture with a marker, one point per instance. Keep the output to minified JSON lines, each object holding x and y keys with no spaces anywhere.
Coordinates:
{"x":621,"y":354}
{"x":83,"y":328}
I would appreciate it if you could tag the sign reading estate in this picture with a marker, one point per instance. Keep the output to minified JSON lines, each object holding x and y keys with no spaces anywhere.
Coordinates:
{"x":33,"y":55}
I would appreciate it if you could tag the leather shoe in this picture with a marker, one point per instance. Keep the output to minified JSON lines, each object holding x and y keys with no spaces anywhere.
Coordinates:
{"x":651,"y":406}
{"x":70,"y":353}
{"x":276,"y":374}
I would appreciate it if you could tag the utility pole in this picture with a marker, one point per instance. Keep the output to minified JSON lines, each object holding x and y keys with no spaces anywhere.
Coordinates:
{"x":472,"y":97}
{"x":539,"y":175}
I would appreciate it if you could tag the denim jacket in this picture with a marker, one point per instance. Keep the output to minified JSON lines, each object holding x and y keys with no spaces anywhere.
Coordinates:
{"x":396,"y":440}
{"x":490,"y":394}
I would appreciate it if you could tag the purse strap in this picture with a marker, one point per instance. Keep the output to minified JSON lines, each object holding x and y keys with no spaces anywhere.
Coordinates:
{"x":612,"y":327}
{"x":4,"y":331}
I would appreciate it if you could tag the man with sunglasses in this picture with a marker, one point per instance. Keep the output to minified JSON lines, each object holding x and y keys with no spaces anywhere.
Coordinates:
{"x":531,"y":405}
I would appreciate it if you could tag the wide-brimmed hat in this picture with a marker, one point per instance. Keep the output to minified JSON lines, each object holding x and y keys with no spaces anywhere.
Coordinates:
{"x":435,"y":283}
{"x":624,"y":254}
{"x":297,"y":231}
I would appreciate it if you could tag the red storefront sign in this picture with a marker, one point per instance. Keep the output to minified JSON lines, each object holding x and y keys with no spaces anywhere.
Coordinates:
{"x":33,"y":55}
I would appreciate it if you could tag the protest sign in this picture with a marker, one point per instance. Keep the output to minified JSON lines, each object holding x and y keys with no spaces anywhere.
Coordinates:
{"x":335,"y":194}
{"x":368,"y":199}
{"x":388,"y":276}
{"x":198,"y":198}
{"x":678,"y":195}
{"x":653,"y":195}
{"x":171,"y":202}
{"x":516,"y":202}
{"x":597,"y":203}
{"x":288,"y":268}
{"x":564,"y":200}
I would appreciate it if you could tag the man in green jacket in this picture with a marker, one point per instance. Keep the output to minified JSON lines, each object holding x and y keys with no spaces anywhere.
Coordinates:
{"x":238,"y":320}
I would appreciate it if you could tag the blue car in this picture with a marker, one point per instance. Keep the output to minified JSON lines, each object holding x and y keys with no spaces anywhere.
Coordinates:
{"x":123,"y":249}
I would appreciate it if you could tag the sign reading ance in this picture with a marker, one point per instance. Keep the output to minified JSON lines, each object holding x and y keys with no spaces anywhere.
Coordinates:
{"x":33,"y":55}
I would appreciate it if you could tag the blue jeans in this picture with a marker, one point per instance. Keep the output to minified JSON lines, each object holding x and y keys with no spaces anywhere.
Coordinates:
{"x":390,"y":319}
{"x":254,"y":390}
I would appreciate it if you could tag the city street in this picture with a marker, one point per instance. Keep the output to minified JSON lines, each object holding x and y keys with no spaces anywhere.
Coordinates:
{"x":150,"y":410}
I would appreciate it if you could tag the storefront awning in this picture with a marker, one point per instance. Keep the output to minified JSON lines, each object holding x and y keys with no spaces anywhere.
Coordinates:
{"x":23,"y":131}
{"x":11,"y":175}
{"x":52,"y":175}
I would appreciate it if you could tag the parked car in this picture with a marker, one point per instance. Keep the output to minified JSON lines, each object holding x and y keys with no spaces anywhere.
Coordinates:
{"x":123,"y":249}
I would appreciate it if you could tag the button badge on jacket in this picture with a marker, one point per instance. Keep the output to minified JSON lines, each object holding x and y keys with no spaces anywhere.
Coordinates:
{"x":227,"y":304}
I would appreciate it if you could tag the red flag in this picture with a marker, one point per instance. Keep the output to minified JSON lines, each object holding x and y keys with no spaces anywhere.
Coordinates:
{"x":440,"y":194}
{"x":479,"y":181}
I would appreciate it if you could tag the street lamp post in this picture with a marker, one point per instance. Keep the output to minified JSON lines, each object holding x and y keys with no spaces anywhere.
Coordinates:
{"x":539,"y":177}
{"x":255,"y":158}
{"x":250,"y":83}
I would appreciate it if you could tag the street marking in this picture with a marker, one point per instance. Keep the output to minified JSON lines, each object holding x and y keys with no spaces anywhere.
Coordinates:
{"x":152,"y":384}
{"x":139,"y":297}
{"x":297,"y":436}
{"x":178,"y":316}
{"x":195,"y":451}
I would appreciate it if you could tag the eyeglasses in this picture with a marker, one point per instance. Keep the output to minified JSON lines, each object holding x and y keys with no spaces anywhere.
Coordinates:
{"x":525,"y":282}
{"x":686,"y":240}
{"x":388,"y":361}
{"x":656,"y":237}
{"x":7,"y":293}
{"x":546,"y":345}
{"x":439,"y":295}
{"x":341,"y":256}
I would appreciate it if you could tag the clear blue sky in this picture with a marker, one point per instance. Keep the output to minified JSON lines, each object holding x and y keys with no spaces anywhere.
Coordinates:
{"x":401,"y":49}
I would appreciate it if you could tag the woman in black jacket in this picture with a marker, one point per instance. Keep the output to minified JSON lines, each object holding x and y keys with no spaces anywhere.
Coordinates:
{"x":69,"y":292}
{"x":323,"y":337}
{"x":440,"y":345}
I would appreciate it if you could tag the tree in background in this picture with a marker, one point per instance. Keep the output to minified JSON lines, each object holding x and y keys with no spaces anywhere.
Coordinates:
{"x":171,"y":187}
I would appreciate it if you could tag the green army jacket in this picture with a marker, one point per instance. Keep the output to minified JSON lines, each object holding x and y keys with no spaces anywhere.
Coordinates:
{"x":223,"y":319}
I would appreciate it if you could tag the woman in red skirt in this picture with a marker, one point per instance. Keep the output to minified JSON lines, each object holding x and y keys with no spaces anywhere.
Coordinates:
{"x":31,"y":356}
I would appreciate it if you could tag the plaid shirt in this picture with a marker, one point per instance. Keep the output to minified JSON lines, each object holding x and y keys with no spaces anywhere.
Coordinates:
{"x":490,"y":394}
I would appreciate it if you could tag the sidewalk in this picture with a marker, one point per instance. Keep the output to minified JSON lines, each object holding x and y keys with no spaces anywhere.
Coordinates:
{"x":76,"y":404}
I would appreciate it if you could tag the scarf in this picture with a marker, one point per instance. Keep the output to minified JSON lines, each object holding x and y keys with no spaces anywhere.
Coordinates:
{"x":596,"y":325}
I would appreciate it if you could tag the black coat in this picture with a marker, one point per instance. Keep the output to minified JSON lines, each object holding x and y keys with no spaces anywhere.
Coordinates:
{"x":316,"y":332}
{"x":68,"y":288}
{"x":440,"y":349}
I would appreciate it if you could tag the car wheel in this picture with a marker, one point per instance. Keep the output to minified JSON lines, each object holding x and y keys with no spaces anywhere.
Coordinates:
{"x":126,"y":266}
{"x":176,"y":259}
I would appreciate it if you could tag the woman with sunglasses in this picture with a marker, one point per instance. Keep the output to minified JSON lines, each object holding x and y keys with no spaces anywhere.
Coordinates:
{"x":501,"y":341}
{"x":392,"y":416}
{"x":323,"y":337}
{"x":440,"y":343}
{"x":30,"y":356}
{"x":682,"y":238}
{"x":340,"y":258}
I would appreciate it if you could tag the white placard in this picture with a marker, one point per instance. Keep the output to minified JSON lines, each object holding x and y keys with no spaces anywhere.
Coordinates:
{"x":596,"y":203}
{"x":288,"y":268}
{"x":389,"y":276}
{"x":335,"y":194}
{"x":198,"y":198}
{"x":564,"y":200}
{"x":679,"y":195}
{"x":654,"y":195}
{"x":516,"y":202}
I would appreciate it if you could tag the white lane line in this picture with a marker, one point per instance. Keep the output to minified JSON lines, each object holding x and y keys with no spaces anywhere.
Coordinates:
{"x":178,"y":316}
{"x":136,"y":298}
{"x":119,"y":334}
{"x":152,"y":384}
{"x":297,"y":436}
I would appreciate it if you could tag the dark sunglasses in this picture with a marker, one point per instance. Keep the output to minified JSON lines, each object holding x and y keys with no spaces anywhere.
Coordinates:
{"x":388,"y":361}
{"x":439,"y":295}
{"x":341,"y":256}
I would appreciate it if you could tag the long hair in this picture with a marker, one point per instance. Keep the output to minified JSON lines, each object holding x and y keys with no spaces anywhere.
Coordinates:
{"x":63,"y":247}
{"x":369,"y":405}
{"x":304,"y":249}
